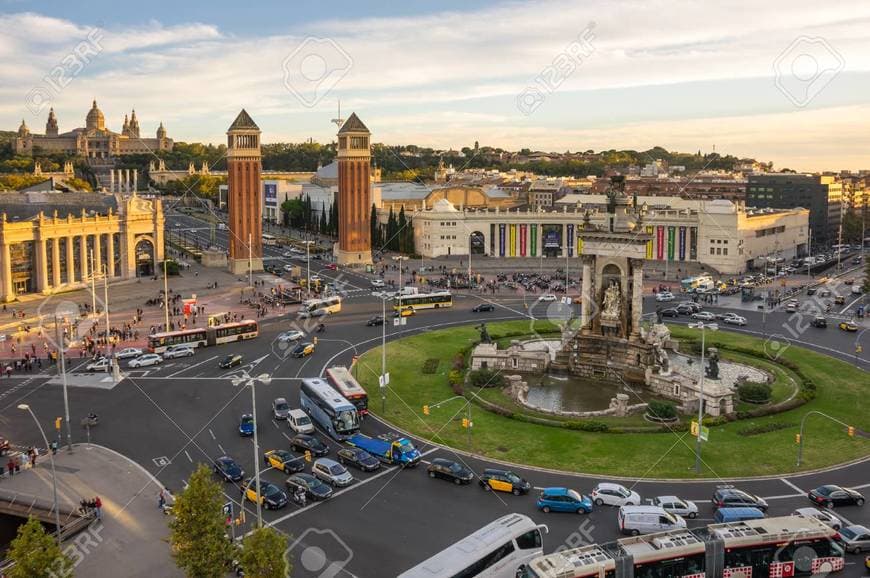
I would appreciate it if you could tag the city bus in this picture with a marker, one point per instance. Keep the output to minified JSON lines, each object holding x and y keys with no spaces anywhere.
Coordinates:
{"x":331,"y":304}
{"x":326,"y":408}
{"x":343,"y":381}
{"x":498,"y":550}
{"x":786,"y":546}
{"x":699,"y":282}
{"x":201,"y":337}
{"x":416,"y":301}
{"x":269,"y":239}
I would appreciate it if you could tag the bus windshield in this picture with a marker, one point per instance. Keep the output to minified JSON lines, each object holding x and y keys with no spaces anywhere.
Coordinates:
{"x":346,"y":420}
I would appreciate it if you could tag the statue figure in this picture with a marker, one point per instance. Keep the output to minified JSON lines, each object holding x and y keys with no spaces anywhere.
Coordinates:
{"x":712,"y":371}
{"x":659,"y":315}
{"x":611,"y":301}
{"x":484,"y":334}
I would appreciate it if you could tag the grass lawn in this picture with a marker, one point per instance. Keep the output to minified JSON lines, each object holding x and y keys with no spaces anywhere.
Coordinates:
{"x":842,"y":391}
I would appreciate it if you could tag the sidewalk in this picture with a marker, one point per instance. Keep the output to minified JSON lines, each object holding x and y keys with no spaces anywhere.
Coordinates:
{"x":132,"y":540}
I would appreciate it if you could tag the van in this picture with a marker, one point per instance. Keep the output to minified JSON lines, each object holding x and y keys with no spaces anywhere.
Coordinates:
{"x":299,"y":421}
{"x":636,"y":520}
{"x":221,"y":227}
{"x":723,"y":515}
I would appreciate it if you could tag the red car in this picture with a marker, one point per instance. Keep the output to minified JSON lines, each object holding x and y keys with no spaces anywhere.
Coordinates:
{"x":331,"y":266}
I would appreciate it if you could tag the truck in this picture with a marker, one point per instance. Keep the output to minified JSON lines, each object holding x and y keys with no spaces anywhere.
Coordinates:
{"x":400,"y":451}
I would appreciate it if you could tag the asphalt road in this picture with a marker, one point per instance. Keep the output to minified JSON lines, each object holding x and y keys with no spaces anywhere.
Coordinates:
{"x":185,"y":412}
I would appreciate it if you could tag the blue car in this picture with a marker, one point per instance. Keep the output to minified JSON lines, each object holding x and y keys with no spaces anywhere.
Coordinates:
{"x":563,"y":500}
{"x":246,"y":425}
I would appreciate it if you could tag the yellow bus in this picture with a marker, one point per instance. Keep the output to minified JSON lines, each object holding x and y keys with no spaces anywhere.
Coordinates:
{"x":330,"y":304}
{"x":416,"y":301}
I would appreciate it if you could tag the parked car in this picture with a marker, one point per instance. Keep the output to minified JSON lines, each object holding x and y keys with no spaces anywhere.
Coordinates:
{"x":146,"y":360}
{"x":736,"y":514}
{"x":819,"y":321}
{"x":695,"y":307}
{"x":734,"y":320}
{"x":675,"y":505}
{"x":303,"y":350}
{"x":283,"y":461}
{"x":228,"y":470}
{"x":729,"y":496}
{"x":450,"y":470}
{"x":823,"y":516}
{"x":231,"y":360}
{"x":839,"y":300}
{"x":610,"y":494}
{"x":634,"y":520}
{"x":664,"y":296}
{"x":483,"y":307}
{"x":330,"y":266}
{"x":563,"y":500}
{"x":405,"y":312}
{"x":290,"y":336}
{"x":129,"y":353}
{"x":670,"y":312}
{"x":311,"y":443}
{"x":377,"y":283}
{"x":179,"y":350}
{"x":314,"y":488}
{"x":547,"y":297}
{"x":101,"y":364}
{"x":246,"y":425}
{"x":685,"y":310}
{"x":280,"y":408}
{"x":503,"y":481}
{"x":270,"y":496}
{"x":811,"y":290}
{"x":375,"y":321}
{"x":299,"y":421}
{"x":704,"y":316}
{"x":332,"y":472}
{"x":358,"y":458}
{"x":855,"y":538}
{"x":831,"y":496}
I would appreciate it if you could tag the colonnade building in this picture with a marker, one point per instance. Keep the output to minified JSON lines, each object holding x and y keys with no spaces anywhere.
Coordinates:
{"x":52,"y":242}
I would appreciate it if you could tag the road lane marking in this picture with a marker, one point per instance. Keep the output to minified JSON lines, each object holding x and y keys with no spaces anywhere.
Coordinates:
{"x":212,"y":434}
{"x":221,"y":448}
{"x":189,"y":367}
{"x":791,"y":485}
{"x":783,"y":496}
{"x":190,"y":459}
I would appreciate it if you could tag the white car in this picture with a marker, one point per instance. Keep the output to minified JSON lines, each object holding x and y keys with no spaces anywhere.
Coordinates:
{"x":129,"y":352}
{"x":287,"y":254}
{"x":547,"y":297}
{"x":179,"y":350}
{"x":288,"y":268}
{"x":610,"y":494}
{"x":321,"y":312}
{"x":377,"y":283}
{"x":823,"y":516}
{"x":315,"y":278}
{"x":734,"y":320}
{"x":675,"y":505}
{"x":146,"y":360}
{"x":665,"y":296}
{"x":101,"y":364}
{"x":292,"y":335}
{"x":704,"y":316}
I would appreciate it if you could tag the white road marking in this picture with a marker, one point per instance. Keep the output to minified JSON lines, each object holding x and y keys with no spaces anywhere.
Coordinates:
{"x":275,"y":423}
{"x":212,"y":434}
{"x":190,"y":459}
{"x":286,"y":436}
{"x":782,"y":497}
{"x":221,"y":448}
{"x":791,"y":485}
{"x":189,"y":367}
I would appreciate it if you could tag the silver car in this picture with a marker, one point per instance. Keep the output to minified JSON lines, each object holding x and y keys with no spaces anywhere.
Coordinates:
{"x":280,"y":408}
{"x":331,"y":472}
{"x":823,"y":516}
{"x":855,"y":538}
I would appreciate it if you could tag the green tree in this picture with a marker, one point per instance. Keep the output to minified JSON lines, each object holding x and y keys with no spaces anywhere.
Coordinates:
{"x":36,"y":554}
{"x":262,"y":554}
{"x":375,"y":228}
{"x":295,"y":210}
{"x":402,"y":231}
{"x":197,"y":536}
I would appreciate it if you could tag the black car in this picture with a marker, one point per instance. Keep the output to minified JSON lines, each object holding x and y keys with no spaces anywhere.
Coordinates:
{"x":358,"y":458}
{"x":811,"y":290}
{"x":231,"y":360}
{"x":503,"y":481}
{"x":729,"y":497}
{"x":685,"y":309}
{"x":830,"y":496}
{"x":284,"y":461}
{"x":375,"y":321}
{"x":273,"y":498}
{"x":483,"y":307}
{"x":819,"y":321}
{"x":227,"y":468}
{"x":450,"y":470}
{"x":670,"y":312}
{"x":314,"y":488}
{"x":303,"y":442}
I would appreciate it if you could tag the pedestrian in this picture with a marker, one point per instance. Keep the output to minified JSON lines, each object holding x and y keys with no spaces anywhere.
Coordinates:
{"x":33,"y":454}
{"x":98,"y":507}
{"x":10,"y":465}
{"x":161,"y":500}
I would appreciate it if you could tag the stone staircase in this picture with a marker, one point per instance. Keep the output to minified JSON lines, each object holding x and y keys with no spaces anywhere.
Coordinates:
{"x":102,"y":169}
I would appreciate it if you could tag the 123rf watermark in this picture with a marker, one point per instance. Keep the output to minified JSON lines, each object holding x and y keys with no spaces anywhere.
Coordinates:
{"x":69,"y":67}
{"x":556,"y":73}
{"x":75,"y":552}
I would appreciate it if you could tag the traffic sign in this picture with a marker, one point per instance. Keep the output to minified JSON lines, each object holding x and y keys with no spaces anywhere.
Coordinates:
{"x":384,"y":380}
{"x":228,"y":512}
{"x":705,"y":433}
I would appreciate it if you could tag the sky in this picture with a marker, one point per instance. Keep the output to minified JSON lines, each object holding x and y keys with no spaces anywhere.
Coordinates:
{"x":783,"y":81}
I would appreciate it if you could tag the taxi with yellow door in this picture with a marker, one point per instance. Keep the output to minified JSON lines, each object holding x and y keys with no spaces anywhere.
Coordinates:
{"x":283,"y":461}
{"x":271,"y":497}
{"x":503,"y":481}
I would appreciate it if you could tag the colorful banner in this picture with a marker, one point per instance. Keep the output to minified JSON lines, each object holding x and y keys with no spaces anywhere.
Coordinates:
{"x":570,"y":244}
{"x":682,"y":243}
{"x":693,"y":243}
{"x":671,"y":239}
{"x":534,"y":241}
{"x":660,"y":242}
{"x":501,"y":233}
{"x":513,"y":244}
{"x":579,"y":245}
{"x":649,"y":244}
{"x":523,"y":239}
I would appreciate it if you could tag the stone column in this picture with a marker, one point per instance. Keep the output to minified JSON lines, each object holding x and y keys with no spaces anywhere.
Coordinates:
{"x":55,"y":263}
{"x":110,"y":255}
{"x":84,"y":265}
{"x":636,"y":296}
{"x":111,"y":180}
{"x":70,"y":261}
{"x":135,"y":180}
{"x":41,"y":266}
{"x":98,"y":254}
{"x":564,"y":240}
{"x":6,"y":291}
{"x":586,"y":297}
{"x":539,"y":242}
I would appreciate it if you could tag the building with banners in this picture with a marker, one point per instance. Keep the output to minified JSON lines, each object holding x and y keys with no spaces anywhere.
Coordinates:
{"x":52,"y":242}
{"x":722,"y":235}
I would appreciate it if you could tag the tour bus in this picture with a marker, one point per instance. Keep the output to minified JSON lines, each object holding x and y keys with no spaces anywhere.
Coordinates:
{"x":498,"y":550}
{"x":699,"y":282}
{"x":334,"y":414}
{"x":416,"y":301}
{"x":331,"y":304}
{"x":201,"y":337}
{"x":269,"y":239}
{"x":786,"y":546}
{"x":343,"y":381}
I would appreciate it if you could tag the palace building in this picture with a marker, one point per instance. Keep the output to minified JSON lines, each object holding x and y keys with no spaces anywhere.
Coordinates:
{"x":52,"y":241}
{"x":93,"y":140}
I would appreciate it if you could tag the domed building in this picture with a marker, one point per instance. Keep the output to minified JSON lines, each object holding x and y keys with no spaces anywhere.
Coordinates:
{"x":93,"y":140}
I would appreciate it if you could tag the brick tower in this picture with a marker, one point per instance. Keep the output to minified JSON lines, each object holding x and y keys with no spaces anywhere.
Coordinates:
{"x":243,"y":183}
{"x":354,"y":194}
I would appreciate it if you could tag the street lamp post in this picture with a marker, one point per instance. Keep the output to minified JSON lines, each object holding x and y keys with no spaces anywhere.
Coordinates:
{"x":308,"y":267}
{"x":60,"y":346}
{"x":383,"y":383}
{"x":400,"y":259}
{"x":251,"y":381}
{"x":25,"y":407}
{"x":703,"y":327}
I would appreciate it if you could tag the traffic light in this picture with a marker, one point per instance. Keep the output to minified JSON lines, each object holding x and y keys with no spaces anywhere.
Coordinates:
{"x":314,"y":340}
{"x":797,"y":439}
{"x":307,"y":455}
{"x":425,"y":410}
{"x":57,"y":422}
{"x":851,"y":431}
{"x":465,"y":422}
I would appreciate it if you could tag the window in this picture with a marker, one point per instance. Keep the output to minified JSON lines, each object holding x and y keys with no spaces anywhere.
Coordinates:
{"x":725,"y":251}
{"x":712,"y":251}
{"x":514,"y":362}
{"x":487,"y":561}
{"x":532,"y":538}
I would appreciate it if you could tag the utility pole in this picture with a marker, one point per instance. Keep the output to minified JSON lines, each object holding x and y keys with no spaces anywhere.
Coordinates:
{"x":383,"y":383}
{"x":703,"y":327}
{"x":252,"y":382}
{"x":165,"y":296}
{"x":106,"y":302}
{"x":93,"y":286}
{"x":60,"y":345}
{"x":840,"y":245}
